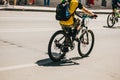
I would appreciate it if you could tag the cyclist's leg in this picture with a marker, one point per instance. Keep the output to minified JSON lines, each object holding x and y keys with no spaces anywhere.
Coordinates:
{"x":68,"y":32}
{"x":119,"y":11}
{"x":76,"y":29}
{"x":114,"y":6}
{"x":67,"y":29}
{"x":116,"y":10}
{"x":115,"y":13}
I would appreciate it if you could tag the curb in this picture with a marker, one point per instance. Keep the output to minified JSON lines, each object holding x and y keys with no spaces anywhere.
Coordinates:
{"x":34,"y":10}
{"x":46,"y":9}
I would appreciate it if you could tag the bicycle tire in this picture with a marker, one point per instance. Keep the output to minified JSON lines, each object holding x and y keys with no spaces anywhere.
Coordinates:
{"x":88,"y":33}
{"x":50,"y":53}
{"x":112,"y":21}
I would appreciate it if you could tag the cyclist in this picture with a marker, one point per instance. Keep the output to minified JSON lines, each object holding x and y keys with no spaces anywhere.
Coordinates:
{"x":115,"y":5}
{"x":71,"y":22}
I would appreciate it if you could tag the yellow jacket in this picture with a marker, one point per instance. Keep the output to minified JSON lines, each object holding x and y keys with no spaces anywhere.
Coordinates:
{"x":73,"y":6}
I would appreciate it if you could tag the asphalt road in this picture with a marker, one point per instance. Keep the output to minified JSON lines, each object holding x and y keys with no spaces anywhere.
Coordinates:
{"x":24,"y":38}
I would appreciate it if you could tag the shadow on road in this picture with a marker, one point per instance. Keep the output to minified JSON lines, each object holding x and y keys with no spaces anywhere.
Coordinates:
{"x":114,"y":27}
{"x":66,"y":62}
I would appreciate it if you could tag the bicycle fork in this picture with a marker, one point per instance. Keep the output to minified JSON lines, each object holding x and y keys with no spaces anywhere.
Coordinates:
{"x":84,"y":37}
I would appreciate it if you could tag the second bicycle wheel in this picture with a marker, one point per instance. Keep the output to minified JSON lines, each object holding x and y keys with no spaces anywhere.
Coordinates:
{"x":56,"y":46}
{"x":111,"y":20}
{"x":86,"y":43}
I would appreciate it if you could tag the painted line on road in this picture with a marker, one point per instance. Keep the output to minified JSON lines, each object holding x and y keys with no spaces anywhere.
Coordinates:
{"x":17,"y":67}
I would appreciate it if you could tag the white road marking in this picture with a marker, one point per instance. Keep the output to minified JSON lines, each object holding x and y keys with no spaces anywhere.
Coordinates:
{"x":17,"y":67}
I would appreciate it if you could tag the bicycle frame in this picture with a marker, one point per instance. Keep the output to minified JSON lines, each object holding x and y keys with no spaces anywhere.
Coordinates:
{"x":84,"y":29}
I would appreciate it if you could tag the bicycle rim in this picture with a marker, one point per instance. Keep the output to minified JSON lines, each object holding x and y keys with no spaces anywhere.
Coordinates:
{"x":111,"y":20}
{"x":86,"y":43}
{"x":54,"y":50}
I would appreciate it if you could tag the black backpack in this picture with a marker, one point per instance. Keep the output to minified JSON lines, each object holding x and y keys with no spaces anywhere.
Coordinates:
{"x":62,"y":11}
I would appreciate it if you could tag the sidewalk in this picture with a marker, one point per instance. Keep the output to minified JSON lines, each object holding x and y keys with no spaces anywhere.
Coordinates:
{"x":45,"y":9}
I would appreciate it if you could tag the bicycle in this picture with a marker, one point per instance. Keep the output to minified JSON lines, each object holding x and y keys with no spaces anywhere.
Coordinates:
{"x":112,"y":19}
{"x":57,"y":45}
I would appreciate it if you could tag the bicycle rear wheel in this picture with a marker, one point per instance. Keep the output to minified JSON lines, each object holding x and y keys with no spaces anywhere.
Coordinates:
{"x":86,"y":43}
{"x":56,"y":45}
{"x":111,"y":20}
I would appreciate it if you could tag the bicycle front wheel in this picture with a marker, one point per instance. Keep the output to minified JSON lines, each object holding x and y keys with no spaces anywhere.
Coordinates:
{"x":55,"y":46}
{"x":86,"y":43}
{"x":111,"y":20}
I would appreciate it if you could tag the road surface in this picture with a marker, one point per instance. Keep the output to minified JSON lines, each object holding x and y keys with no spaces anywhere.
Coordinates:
{"x":24,"y":38}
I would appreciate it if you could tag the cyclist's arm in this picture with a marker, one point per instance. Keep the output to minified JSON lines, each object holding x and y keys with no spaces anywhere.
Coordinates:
{"x":85,"y":10}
